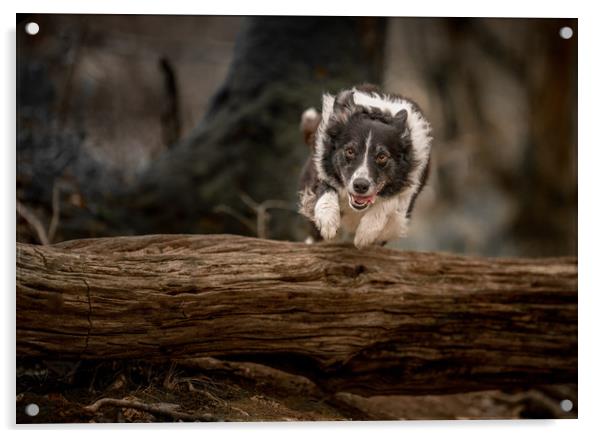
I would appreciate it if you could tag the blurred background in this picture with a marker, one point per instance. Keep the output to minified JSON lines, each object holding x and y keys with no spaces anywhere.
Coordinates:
{"x":190,"y":124}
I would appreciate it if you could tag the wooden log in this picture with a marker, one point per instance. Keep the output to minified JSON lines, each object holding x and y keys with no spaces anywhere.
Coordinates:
{"x":376,"y":321}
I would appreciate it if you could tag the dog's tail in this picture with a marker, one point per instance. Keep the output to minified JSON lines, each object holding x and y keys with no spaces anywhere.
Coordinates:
{"x":310,"y":119}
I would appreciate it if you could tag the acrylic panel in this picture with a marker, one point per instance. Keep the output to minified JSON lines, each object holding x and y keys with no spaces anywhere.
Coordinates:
{"x":285,"y":218}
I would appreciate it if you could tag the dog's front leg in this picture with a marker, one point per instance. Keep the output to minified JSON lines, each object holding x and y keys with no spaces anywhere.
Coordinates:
{"x":372,"y":223}
{"x":327,"y":214}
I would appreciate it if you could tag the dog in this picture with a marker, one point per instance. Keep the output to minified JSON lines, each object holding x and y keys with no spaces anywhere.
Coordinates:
{"x":370,"y":159}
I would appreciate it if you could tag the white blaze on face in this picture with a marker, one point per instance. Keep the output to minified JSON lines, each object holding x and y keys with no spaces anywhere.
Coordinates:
{"x":362,"y":171}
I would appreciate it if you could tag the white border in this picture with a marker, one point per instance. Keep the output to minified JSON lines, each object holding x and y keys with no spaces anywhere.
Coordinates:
{"x":590,"y":303}
{"x":432,"y":8}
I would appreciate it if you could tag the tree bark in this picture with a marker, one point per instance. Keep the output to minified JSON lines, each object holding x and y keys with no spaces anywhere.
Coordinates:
{"x":370,"y":322}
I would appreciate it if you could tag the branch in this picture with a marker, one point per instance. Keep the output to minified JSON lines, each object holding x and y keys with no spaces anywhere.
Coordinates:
{"x":56,"y":211}
{"x":166,"y":409}
{"x":45,"y":238}
{"x":34,"y":222}
{"x":261,"y":211}
{"x":370,"y":322}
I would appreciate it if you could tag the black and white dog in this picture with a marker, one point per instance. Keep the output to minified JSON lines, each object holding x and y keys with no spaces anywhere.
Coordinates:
{"x":370,"y":159}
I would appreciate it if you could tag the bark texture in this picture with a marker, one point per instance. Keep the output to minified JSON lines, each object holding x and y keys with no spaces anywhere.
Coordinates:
{"x":370,"y":322}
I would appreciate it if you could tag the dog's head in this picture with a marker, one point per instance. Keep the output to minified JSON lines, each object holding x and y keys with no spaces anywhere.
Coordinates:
{"x":364,"y":150}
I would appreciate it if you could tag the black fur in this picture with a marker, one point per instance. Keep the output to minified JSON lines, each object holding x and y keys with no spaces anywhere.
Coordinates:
{"x":387,"y":138}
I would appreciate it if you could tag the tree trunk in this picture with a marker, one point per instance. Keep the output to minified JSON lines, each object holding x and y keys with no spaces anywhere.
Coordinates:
{"x":249,"y":141}
{"x":370,"y":322}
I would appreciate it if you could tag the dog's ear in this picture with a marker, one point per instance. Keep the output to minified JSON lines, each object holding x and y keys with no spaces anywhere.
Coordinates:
{"x":344,"y":101}
{"x":367,"y":88}
{"x":400,"y":122}
{"x":400,"y":119}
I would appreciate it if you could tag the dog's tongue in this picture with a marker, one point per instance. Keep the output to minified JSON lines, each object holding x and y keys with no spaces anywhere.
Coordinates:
{"x":363,"y":199}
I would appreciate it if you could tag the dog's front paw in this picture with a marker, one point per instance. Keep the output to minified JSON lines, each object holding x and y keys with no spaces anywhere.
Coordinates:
{"x":363,"y":240}
{"x":327,"y":215}
{"x":328,"y":224}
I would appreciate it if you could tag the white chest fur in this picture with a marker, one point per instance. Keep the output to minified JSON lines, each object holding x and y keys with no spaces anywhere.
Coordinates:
{"x":350,"y":218}
{"x":383,"y":221}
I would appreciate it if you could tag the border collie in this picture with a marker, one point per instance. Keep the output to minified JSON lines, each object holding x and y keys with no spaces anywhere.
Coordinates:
{"x":370,"y":156}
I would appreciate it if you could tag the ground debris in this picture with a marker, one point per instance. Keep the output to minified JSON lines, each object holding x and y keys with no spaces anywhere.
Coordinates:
{"x":208,"y":389}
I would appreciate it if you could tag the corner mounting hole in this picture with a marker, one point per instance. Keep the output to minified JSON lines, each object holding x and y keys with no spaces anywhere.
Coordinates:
{"x":32,"y":28}
{"x":566,"y":33}
{"x":566,"y":405}
{"x":32,"y":409}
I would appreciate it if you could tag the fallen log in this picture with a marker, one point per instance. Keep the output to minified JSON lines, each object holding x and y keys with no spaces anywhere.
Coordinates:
{"x":370,"y":322}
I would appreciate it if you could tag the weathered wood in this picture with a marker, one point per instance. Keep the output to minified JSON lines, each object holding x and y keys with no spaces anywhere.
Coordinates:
{"x":371,"y":322}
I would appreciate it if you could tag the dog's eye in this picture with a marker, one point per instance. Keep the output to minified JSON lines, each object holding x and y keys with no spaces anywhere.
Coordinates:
{"x":382,"y":159}
{"x":349,"y":153}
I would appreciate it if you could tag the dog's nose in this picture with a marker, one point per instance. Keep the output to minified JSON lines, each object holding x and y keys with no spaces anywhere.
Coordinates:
{"x":361,"y":185}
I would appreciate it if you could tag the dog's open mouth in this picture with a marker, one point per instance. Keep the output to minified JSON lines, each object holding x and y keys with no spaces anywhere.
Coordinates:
{"x":361,"y":202}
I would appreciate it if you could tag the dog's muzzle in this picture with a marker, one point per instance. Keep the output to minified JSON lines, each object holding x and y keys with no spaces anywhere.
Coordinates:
{"x":358,"y":202}
{"x":362,"y":194}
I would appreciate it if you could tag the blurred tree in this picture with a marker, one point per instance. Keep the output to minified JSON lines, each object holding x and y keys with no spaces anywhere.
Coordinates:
{"x":501,"y":96}
{"x":249,"y":141}
{"x":547,"y":186}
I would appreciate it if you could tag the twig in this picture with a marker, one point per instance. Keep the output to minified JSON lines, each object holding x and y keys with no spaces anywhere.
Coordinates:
{"x":155,"y":408}
{"x":56,"y":209}
{"x":45,"y":238}
{"x":280,"y":380}
{"x":260,"y":374}
{"x":93,"y":380}
{"x":260,"y":227}
{"x":170,"y":381}
{"x":263,"y":217}
{"x":249,"y":202}
{"x":170,"y":111}
{"x":261,"y":210}
{"x":34,"y":222}
{"x":240,"y":411}
{"x":230,"y":211}
{"x":207,"y":394}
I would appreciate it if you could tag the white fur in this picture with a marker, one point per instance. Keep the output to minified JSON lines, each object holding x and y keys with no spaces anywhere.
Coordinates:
{"x":385,"y":220}
{"x":396,"y":227}
{"x":309,"y":115}
{"x":374,"y":222}
{"x":420,"y":131}
{"x":362,"y":171}
{"x":327,"y":215}
{"x":327,"y":108}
